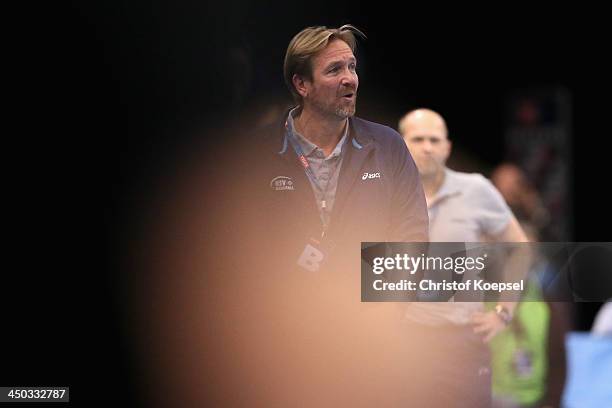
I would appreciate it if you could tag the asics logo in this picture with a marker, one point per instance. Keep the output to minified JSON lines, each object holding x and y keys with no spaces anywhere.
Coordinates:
{"x":370,"y":176}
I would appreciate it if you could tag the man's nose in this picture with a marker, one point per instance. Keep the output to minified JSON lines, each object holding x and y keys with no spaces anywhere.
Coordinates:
{"x":350,"y":79}
{"x":427,"y":146}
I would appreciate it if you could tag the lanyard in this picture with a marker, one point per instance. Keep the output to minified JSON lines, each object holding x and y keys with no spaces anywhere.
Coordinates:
{"x":311,"y":176}
{"x":303,"y":161}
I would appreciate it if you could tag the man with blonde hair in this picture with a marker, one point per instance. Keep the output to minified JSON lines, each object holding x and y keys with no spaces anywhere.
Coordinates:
{"x":321,"y":181}
{"x":362,"y":178}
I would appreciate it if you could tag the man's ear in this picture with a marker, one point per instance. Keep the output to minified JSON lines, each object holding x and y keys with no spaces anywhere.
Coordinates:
{"x":449,"y":148}
{"x":300,"y":85}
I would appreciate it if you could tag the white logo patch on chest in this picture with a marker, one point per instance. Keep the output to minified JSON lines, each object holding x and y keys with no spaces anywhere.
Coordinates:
{"x":281,"y":183}
{"x":367,"y":176}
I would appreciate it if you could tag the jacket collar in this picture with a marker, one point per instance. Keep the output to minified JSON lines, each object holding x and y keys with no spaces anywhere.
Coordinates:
{"x":358,"y":137}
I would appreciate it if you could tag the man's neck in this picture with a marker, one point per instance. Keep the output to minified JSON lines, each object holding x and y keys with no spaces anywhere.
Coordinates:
{"x":432,"y":184}
{"x":321,"y":131}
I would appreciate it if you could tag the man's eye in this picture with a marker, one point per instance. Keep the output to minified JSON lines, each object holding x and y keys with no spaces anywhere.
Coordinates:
{"x":352,"y":67}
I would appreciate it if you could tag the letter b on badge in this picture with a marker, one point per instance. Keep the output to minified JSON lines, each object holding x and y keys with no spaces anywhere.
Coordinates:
{"x":311,"y":258}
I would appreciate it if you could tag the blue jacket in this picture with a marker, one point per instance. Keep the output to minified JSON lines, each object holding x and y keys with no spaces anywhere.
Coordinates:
{"x":379,"y":195}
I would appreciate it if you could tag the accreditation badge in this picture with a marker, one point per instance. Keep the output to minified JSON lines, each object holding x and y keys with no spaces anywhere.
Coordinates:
{"x":314,"y":255}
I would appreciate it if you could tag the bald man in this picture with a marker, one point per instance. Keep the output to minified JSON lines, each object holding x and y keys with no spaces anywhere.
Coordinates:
{"x":462,"y":207}
{"x":426,"y":136}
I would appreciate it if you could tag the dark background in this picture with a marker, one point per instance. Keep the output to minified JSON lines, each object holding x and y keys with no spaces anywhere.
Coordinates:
{"x":127,"y":89}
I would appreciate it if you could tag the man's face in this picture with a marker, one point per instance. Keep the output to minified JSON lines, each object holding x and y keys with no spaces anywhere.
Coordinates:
{"x":428,"y":144}
{"x":333,"y":88}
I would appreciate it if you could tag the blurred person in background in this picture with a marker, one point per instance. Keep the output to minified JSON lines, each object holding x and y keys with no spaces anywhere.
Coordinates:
{"x":453,"y":359}
{"x":529,"y":359}
{"x":520,"y":195}
{"x":603,"y":321}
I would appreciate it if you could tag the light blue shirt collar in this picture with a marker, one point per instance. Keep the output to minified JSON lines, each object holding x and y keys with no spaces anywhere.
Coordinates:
{"x":306,"y":145}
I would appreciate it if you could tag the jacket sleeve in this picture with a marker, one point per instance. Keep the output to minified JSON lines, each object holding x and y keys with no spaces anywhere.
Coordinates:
{"x":409,"y":221}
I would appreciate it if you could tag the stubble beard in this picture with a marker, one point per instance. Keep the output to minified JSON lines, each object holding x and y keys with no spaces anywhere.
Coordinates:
{"x":345,"y":112}
{"x":337,"y":111}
